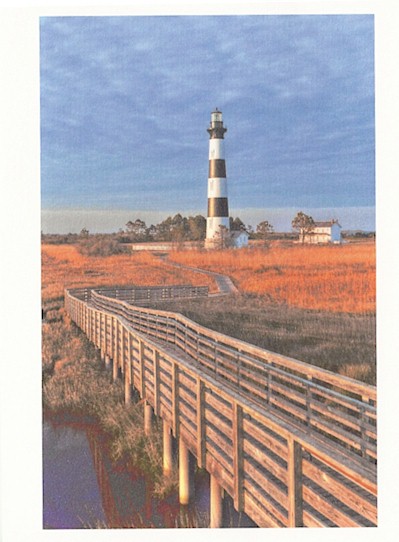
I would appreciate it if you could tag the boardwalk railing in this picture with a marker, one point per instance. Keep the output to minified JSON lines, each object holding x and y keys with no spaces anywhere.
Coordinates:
{"x":291,"y":443}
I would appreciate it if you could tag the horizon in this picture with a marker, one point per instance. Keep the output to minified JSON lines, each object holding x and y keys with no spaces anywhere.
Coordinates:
{"x":98,"y":221}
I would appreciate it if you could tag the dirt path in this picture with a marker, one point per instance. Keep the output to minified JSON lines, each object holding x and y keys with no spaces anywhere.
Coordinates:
{"x":224,"y":283}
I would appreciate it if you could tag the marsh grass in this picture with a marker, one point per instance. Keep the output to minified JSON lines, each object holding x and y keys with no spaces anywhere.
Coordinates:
{"x":335,"y":278}
{"x":340,"y":342}
{"x":74,"y":382}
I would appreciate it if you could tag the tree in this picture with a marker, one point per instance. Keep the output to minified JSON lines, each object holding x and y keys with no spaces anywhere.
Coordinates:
{"x":304,"y":224}
{"x":222,"y":238}
{"x":237,"y":224}
{"x":137,"y":230}
{"x":84,"y":232}
{"x":263,"y":230}
{"x":197,"y":228}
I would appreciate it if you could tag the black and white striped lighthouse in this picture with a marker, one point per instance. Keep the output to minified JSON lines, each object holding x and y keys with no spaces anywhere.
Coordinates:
{"x":218,"y":208}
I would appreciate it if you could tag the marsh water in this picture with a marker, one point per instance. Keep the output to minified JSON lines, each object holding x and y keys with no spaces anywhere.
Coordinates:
{"x":82,"y":488}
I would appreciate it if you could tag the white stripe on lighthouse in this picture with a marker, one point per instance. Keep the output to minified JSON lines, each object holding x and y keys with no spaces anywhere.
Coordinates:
{"x":213,"y":225}
{"x":217,"y":187}
{"x":216,"y":149}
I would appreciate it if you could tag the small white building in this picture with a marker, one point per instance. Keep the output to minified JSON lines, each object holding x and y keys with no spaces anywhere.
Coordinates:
{"x":324,"y":232}
{"x":239,"y":239}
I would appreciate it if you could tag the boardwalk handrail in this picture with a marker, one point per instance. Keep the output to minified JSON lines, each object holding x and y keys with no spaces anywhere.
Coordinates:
{"x":332,"y":405}
{"x":277,"y":470}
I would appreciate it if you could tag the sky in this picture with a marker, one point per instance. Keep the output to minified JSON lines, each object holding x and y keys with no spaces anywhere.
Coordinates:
{"x":125,"y":103}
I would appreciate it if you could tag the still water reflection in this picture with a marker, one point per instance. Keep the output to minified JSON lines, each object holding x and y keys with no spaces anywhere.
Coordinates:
{"x":83,"y":489}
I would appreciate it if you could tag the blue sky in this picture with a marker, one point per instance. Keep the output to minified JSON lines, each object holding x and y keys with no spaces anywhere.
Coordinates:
{"x":125,"y":103}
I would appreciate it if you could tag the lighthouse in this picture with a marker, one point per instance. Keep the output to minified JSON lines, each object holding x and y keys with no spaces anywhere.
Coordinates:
{"x":217,"y":222}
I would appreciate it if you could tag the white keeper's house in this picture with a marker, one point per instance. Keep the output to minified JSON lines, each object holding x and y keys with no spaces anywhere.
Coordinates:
{"x":239,"y":239}
{"x":324,"y":232}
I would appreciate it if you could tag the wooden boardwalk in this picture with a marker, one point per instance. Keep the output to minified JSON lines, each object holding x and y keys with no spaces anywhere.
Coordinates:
{"x":294,"y":445}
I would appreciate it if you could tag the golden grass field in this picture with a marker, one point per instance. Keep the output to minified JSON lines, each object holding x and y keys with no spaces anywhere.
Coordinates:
{"x":63,"y":266}
{"x":332,"y":278}
{"x":314,"y":303}
{"x":337,"y":278}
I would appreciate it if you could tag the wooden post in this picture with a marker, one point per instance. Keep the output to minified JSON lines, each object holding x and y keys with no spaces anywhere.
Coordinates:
{"x":115,"y":356}
{"x":107,"y":361}
{"x":114,"y":370}
{"x":295,"y":504}
{"x":237,"y":438}
{"x":216,"y":504}
{"x":147,"y":418}
{"x":105,"y":333}
{"x":175,"y":399}
{"x":184,"y":473}
{"x":309,"y":402}
{"x":128,"y":382}
{"x":142,"y":376}
{"x":96,"y":340}
{"x":122,"y":348}
{"x":156,"y":382}
{"x":269,"y":385}
{"x":201,"y":444}
{"x":167,"y":450}
{"x":128,"y":374}
{"x":118,"y":344}
{"x":112,"y":333}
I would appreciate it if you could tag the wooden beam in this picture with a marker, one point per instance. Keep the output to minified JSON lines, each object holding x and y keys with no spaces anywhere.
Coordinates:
{"x":201,"y":423}
{"x":295,"y":500}
{"x":175,"y":399}
{"x":141,"y":361}
{"x":237,"y":438}
{"x":156,"y":381}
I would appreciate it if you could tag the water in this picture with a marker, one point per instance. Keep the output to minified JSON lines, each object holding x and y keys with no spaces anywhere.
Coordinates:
{"x":83,"y":489}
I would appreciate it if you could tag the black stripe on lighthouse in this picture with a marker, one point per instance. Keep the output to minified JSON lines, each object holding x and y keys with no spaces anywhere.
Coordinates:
{"x":218,"y":207}
{"x":217,"y":168}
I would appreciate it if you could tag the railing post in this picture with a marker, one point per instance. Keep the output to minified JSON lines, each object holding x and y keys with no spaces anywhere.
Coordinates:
{"x":201,"y":444}
{"x":184,"y":473}
{"x":175,"y":399}
{"x":237,"y":439}
{"x":122,"y":347}
{"x":156,"y":381}
{"x":128,"y":374}
{"x":147,"y":418}
{"x":309,"y":401}
{"x":269,"y":384}
{"x":238,"y":370}
{"x":362,"y":428}
{"x":104,"y":332}
{"x":115,"y":350}
{"x":167,"y":450}
{"x":295,"y":500}
{"x":142,"y":375}
{"x":216,"y":504}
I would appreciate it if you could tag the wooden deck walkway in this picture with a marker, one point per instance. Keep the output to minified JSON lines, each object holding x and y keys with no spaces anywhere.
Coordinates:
{"x":294,"y":445}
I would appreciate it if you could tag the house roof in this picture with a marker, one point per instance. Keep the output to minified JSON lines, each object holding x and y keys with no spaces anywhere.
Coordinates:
{"x":327,"y":224}
{"x":236,"y":234}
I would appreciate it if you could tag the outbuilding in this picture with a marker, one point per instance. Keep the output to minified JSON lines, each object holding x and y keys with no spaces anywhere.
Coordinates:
{"x":324,"y":232}
{"x":239,"y":239}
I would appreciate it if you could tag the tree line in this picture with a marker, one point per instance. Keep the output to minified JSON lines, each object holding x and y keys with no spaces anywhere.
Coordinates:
{"x":180,"y":228}
{"x":176,"y":229}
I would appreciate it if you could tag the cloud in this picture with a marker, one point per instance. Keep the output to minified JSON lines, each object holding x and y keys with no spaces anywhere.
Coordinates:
{"x":126,"y":101}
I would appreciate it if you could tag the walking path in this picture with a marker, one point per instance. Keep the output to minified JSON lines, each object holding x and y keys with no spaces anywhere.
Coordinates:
{"x":224,"y":283}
